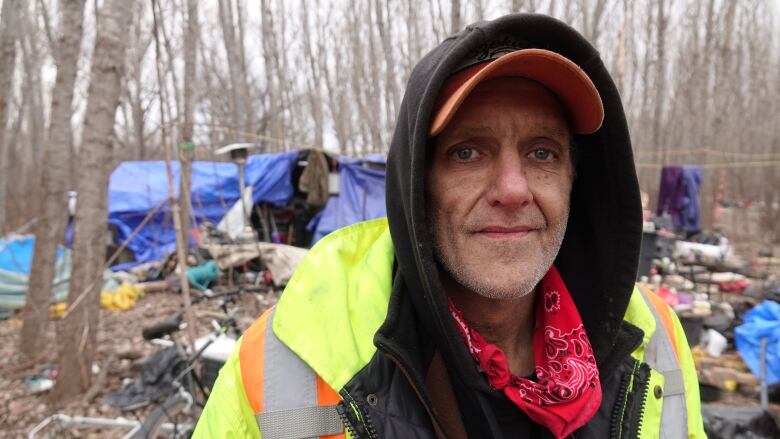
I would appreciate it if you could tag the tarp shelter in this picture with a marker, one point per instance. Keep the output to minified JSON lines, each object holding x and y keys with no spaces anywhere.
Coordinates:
{"x":16,"y":253}
{"x":138,"y":188}
{"x":763,"y":321}
{"x":361,"y":197}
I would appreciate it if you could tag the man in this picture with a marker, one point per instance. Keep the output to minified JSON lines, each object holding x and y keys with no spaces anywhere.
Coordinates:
{"x":498,"y":298}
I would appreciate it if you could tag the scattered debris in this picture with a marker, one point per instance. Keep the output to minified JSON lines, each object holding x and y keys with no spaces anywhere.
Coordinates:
{"x":121,"y":354}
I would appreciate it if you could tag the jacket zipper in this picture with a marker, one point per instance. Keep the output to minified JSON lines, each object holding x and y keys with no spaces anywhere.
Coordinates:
{"x":619,"y":411}
{"x":628,"y":414}
{"x":643,"y":378}
{"x":356,"y":420}
{"x":346,"y":414}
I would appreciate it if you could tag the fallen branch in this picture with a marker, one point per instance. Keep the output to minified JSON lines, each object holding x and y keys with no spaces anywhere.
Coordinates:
{"x":100,"y":382}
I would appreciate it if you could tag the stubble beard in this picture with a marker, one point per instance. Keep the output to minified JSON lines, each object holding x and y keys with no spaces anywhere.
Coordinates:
{"x":479,"y":283}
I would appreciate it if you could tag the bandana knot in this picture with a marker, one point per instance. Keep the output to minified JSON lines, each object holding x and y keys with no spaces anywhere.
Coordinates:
{"x":566,"y":392}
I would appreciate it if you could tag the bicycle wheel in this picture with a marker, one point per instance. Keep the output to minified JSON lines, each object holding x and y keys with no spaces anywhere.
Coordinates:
{"x":175,"y":418}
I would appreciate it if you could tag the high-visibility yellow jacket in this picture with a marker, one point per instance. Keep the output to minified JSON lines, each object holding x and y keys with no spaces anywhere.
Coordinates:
{"x":316,"y":348}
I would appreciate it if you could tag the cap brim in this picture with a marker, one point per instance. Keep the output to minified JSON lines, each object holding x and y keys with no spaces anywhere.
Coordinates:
{"x":561,"y":76}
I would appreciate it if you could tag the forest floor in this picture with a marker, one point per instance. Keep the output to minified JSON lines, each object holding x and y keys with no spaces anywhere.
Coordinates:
{"x":120,"y":341}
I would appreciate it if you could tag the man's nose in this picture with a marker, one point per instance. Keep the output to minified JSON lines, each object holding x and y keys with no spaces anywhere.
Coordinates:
{"x":509,"y":183}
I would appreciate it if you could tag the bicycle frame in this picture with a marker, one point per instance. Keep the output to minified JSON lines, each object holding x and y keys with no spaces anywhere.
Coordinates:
{"x":184,"y":382}
{"x":69,"y":421}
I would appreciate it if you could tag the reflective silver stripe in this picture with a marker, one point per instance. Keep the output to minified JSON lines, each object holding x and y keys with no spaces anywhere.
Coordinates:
{"x":300,"y":423}
{"x":661,"y":356}
{"x":290,"y":395}
{"x":674,"y":383}
{"x":288,"y":382}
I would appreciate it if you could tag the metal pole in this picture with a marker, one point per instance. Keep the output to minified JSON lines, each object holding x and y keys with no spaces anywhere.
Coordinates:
{"x":764,"y":390}
{"x":242,"y":187}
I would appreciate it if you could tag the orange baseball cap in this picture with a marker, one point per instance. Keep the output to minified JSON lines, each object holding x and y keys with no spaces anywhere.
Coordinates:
{"x":580,"y":98}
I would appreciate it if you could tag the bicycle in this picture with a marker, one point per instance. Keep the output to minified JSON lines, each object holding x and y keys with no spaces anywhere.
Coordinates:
{"x":178,"y":413}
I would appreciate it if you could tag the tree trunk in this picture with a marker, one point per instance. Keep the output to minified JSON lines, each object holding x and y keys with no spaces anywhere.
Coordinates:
{"x":33,"y":85}
{"x":273,"y":74}
{"x":660,"y":74}
{"x":314,"y":82}
{"x":138,"y":46}
{"x":247,"y":109}
{"x":455,"y":21}
{"x":233,"y":60}
{"x":186,"y":150}
{"x":181,"y":245}
{"x":7,"y":64}
{"x":191,"y":29}
{"x":78,"y":336}
{"x":52,"y":211}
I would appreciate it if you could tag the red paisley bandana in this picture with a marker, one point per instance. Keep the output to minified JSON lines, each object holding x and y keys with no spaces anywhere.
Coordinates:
{"x":567,"y":392}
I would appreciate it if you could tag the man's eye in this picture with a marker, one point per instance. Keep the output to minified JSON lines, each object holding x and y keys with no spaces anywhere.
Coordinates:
{"x":466,"y":153}
{"x":542,"y":154}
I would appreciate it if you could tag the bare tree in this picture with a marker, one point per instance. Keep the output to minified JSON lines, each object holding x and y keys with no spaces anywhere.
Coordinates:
{"x":187,"y":144}
{"x":234,"y":48}
{"x":135,"y":93}
{"x":7,"y":64}
{"x":191,"y":30}
{"x":455,"y":21}
{"x":273,"y":74}
{"x":660,"y":68}
{"x":78,"y":337}
{"x":592,"y":14}
{"x":52,"y":211}
{"x":181,"y":242}
{"x":314,"y":81}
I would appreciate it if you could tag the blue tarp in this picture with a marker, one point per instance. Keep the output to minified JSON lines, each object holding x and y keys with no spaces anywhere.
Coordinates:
{"x":137,"y":188}
{"x":16,"y":253}
{"x":763,"y":321}
{"x":361,"y":197}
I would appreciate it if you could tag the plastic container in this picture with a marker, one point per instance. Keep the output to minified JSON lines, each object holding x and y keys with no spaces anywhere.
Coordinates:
{"x":214,"y":357}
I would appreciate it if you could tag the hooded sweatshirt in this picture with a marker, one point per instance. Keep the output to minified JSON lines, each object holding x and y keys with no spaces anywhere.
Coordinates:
{"x":600,"y":250}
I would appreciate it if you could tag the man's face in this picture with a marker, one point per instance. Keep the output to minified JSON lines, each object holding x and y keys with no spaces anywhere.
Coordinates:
{"x":499,"y":187}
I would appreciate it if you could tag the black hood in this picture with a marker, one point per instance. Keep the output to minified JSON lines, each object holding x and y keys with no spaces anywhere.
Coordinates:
{"x":600,"y":251}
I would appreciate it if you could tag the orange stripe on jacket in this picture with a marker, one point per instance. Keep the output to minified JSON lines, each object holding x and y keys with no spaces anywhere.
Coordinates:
{"x":251,"y":358}
{"x":327,"y":396}
{"x":663,"y":310}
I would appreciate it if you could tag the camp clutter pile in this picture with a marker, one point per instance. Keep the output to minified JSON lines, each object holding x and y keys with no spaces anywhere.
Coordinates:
{"x":727,"y":304}
{"x":121,"y":352}
{"x":244,"y":237}
{"x":292,"y":198}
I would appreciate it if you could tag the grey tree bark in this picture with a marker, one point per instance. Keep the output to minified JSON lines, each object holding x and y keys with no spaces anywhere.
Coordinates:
{"x":273,"y":74}
{"x":238,"y":88}
{"x":191,"y":30}
{"x":180,"y":233}
{"x":78,"y":337}
{"x":33,"y":86}
{"x":455,"y":20}
{"x":187,"y":144}
{"x":8,"y":36}
{"x":315,"y":75}
{"x":52,"y":211}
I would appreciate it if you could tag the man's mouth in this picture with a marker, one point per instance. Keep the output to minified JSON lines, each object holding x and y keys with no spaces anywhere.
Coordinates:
{"x":506,"y":232}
